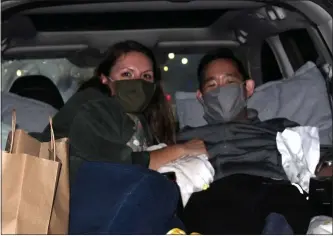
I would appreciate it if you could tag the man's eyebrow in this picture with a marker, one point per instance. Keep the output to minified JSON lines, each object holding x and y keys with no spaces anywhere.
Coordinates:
{"x":209,"y":79}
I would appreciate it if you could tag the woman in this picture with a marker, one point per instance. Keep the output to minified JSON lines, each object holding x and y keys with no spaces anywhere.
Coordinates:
{"x":112,"y":115}
{"x":107,"y":119}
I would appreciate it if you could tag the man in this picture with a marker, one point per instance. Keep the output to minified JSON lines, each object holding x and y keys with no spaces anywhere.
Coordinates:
{"x":233,"y":130}
{"x":224,"y":87}
{"x":250,"y":183}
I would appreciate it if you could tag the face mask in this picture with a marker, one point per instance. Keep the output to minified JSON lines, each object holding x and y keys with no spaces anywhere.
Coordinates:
{"x":134,"y":95}
{"x":223,"y":104}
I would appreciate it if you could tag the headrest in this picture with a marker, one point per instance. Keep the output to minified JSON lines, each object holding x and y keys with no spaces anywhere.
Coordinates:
{"x":32,"y":115}
{"x":38,"y":87}
{"x":302,"y":98}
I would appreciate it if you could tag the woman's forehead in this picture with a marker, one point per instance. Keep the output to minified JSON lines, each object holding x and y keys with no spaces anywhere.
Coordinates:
{"x":134,"y":59}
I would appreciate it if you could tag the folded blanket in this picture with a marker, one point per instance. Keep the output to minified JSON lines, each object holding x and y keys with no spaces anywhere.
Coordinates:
{"x":300,"y":152}
{"x":320,"y":225}
{"x":193,"y":173}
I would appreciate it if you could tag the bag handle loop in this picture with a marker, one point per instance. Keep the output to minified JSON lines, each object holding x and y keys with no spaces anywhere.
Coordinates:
{"x":13,"y":131}
{"x":53,"y":143}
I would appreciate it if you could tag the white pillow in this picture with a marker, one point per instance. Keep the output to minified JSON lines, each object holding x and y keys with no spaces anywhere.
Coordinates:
{"x":31,"y":115}
{"x":5,"y":129}
{"x":302,"y":98}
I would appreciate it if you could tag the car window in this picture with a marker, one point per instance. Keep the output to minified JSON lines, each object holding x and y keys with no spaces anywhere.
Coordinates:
{"x":269,"y":66}
{"x":65,"y":75}
{"x":179,"y":73}
{"x":299,"y":47}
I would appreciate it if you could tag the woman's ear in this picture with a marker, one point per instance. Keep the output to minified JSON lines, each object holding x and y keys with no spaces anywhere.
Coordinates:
{"x":250,"y":84}
{"x":103,"y":79}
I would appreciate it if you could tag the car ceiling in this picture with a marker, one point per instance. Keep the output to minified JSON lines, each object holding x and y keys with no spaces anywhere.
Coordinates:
{"x":81,"y":32}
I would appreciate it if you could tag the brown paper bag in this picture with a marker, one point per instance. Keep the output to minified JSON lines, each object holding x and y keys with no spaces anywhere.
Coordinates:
{"x":54,"y":152}
{"x":23,"y":143}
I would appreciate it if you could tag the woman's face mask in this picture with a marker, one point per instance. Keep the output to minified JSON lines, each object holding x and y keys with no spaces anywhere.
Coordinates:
{"x":134,"y":95}
{"x":224,"y":104}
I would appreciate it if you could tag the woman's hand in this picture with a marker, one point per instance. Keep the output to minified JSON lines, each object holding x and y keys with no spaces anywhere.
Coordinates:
{"x":194,"y":147}
{"x":170,"y":153}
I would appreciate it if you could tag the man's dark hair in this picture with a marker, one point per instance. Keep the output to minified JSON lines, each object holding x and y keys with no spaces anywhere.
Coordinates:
{"x":223,"y":53}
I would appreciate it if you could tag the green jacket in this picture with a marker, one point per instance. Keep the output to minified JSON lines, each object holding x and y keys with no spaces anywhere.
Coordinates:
{"x":98,"y":130}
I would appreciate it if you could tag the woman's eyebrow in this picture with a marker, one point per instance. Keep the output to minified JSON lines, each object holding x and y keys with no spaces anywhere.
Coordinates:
{"x":150,"y":70}
{"x":127,"y":68}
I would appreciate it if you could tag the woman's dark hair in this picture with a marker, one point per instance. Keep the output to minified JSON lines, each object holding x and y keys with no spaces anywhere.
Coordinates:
{"x":223,"y":53}
{"x":159,"y":112}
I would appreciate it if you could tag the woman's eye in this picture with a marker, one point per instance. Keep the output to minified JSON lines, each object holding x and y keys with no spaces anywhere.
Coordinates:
{"x":148,"y":76}
{"x":126,"y":74}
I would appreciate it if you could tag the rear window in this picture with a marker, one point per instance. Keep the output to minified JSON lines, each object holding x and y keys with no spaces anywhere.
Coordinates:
{"x":180,"y":73}
{"x":269,"y":66}
{"x":125,"y":20}
{"x":299,"y":47}
{"x":65,"y":76}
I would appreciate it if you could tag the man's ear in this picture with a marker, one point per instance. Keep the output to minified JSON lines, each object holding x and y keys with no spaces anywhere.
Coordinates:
{"x":250,"y":84}
{"x":199,"y":94}
{"x":103,"y":79}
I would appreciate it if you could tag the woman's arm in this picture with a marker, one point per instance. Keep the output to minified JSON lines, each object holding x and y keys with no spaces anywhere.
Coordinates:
{"x":165,"y":155}
{"x":162,"y":156}
{"x":100,"y":131}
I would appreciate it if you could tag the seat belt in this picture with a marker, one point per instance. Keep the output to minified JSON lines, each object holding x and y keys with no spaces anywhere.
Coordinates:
{"x":327,"y":71}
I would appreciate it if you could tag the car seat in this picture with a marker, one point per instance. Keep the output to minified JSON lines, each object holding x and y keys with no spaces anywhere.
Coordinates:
{"x":35,"y":99}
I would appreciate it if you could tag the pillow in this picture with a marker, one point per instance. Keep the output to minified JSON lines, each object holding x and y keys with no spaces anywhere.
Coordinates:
{"x":5,"y":129}
{"x":302,"y":98}
{"x":31,"y":115}
{"x":189,"y":110}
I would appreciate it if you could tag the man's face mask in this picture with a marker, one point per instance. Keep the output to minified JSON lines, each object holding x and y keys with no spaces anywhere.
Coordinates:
{"x":134,"y":95}
{"x":223,"y":104}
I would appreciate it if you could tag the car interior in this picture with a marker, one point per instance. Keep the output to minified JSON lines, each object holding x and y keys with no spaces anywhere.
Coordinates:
{"x":49,"y":48}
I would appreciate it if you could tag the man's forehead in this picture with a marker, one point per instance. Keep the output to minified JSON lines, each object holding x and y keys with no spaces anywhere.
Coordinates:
{"x":220,"y":66}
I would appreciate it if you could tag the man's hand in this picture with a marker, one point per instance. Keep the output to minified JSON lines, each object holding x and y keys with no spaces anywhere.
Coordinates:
{"x":326,"y":171}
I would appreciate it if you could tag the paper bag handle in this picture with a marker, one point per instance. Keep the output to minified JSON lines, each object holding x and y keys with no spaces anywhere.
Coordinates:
{"x":53,"y":145}
{"x":14,"y":129}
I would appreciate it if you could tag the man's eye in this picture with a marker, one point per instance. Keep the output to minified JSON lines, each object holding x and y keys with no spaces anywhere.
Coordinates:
{"x":209,"y":86}
{"x":231,"y":81}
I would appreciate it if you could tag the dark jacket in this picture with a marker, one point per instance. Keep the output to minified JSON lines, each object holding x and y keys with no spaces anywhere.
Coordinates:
{"x":247,"y":147}
{"x":98,"y":130}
